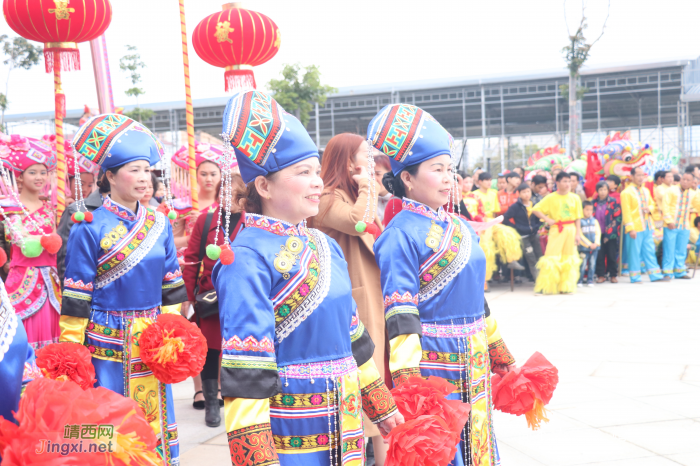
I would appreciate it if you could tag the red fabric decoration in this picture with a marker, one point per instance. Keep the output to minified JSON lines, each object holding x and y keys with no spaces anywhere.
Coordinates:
{"x":419,"y":397}
{"x":226,"y":256}
{"x":60,"y":26}
{"x":52,"y":243}
{"x":236,"y":39}
{"x":372,"y":229}
{"x":48,"y":410}
{"x":424,"y":441}
{"x":67,"y":361}
{"x":88,"y":217}
{"x":526,"y":389}
{"x":3,"y":257}
{"x":74,"y":219}
{"x":173,"y":348}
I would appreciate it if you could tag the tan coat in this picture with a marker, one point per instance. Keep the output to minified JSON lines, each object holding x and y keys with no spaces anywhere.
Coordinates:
{"x":338,"y":222}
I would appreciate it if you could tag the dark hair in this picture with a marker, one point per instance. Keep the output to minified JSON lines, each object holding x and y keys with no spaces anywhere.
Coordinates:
{"x":155,"y":182}
{"x":483,"y":176}
{"x":539,"y":179}
{"x":601,"y":184}
{"x":614,"y":178}
{"x":634,"y":171}
{"x":572,"y":174}
{"x":501,"y":175}
{"x":678,"y":177}
{"x":586,"y":204}
{"x":659,"y":174}
{"x":208,"y":161}
{"x":249,"y":199}
{"x":394,"y":184}
{"x":513,"y":175}
{"x":696,"y":222}
{"x":690,"y":169}
{"x":561,"y":175}
{"x":103,"y":182}
{"x":382,"y":160}
{"x":523,"y":187}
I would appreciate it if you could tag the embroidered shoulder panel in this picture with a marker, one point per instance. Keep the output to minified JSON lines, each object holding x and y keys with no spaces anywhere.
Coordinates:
{"x":129,"y":251}
{"x":306,"y":289}
{"x":451,"y":257}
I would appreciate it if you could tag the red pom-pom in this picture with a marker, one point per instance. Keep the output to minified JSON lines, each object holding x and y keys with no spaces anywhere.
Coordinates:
{"x":420,"y":397}
{"x":226,"y":256}
{"x":173,"y":348}
{"x":74,"y":219}
{"x":88,"y":217}
{"x":52,"y":243}
{"x":526,"y":389}
{"x":3,"y":257}
{"x":51,"y":410}
{"x":372,"y":229}
{"x":67,"y":361}
{"x":424,"y":441}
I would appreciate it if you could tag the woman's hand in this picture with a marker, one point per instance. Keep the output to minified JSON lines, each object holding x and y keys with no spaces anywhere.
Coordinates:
{"x":360,"y":174}
{"x":501,"y":369}
{"x":387,"y":425}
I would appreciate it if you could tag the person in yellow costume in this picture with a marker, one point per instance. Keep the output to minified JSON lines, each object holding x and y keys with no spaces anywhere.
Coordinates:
{"x":500,"y":239}
{"x":559,"y":267}
{"x":677,"y":202}
{"x":637,"y":210}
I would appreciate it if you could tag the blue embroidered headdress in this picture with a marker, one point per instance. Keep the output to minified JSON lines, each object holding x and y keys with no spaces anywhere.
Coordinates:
{"x":408,"y":136}
{"x":265,"y":138}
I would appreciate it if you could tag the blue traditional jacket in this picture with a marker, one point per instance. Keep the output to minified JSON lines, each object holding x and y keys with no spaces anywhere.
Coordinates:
{"x":279,"y":306}
{"x":121,"y":261}
{"x":432,"y":269}
{"x":17,"y":363}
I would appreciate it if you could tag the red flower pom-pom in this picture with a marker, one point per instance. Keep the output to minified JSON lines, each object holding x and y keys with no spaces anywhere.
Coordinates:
{"x":88,"y":217}
{"x":64,"y":414}
{"x":67,"y":361}
{"x":424,"y":441}
{"x":3,"y":257}
{"x":74,"y":218}
{"x":52,"y":243}
{"x":226,"y":257}
{"x":420,"y":397}
{"x":372,"y":229}
{"x":173,"y":348}
{"x":526,"y":390}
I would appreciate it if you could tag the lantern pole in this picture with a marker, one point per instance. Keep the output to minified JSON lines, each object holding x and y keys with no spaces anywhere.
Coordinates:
{"x":60,"y":113}
{"x":189,"y":114}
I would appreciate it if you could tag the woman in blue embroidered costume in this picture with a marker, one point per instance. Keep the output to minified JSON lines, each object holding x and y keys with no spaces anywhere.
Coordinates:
{"x":432,"y":272}
{"x":121,"y":269}
{"x":297,"y":364}
{"x":17,"y":364}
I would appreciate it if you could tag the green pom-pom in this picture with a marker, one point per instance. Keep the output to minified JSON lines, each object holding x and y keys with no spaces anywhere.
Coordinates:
{"x":172,"y":215}
{"x":360,"y":226}
{"x":213,"y":251}
{"x":79,"y":216}
{"x":32,"y":248}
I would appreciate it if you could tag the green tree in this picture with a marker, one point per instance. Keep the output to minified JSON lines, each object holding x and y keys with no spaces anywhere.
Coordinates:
{"x":131,"y":64}
{"x":297,"y":93}
{"x":576,"y":53}
{"x":19,"y":53}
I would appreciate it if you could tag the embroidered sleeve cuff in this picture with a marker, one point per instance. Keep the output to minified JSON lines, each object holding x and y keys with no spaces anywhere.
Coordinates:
{"x":76,"y":306}
{"x":377,"y":401}
{"x":174,"y":295}
{"x":499,"y":354}
{"x":402,"y":375}
{"x":253,"y":446}
{"x":249,"y":377}
{"x":403,"y":320}
{"x":362,"y":345}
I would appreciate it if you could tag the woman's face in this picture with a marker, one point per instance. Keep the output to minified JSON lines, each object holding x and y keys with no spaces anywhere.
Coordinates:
{"x":34,"y":178}
{"x":431,"y":184}
{"x":602,"y":192}
{"x":87,"y":183}
{"x":468,"y":184}
{"x":131,"y":182}
{"x":208,"y":177}
{"x":294,"y":193}
{"x":149,"y":192}
{"x":359,"y":159}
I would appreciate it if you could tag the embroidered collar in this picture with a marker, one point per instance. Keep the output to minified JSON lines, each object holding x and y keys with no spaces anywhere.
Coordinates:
{"x":121,"y":211}
{"x":424,"y":210}
{"x":273,"y":225}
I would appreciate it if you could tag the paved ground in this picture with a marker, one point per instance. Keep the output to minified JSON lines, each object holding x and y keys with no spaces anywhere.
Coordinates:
{"x":629,"y":391}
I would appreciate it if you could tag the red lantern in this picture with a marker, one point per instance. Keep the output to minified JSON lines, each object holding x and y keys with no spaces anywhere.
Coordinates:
{"x":236,"y":39}
{"x":60,"y":25}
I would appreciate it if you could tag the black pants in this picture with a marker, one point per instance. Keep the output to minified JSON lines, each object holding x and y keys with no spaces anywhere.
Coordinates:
{"x":210,"y":371}
{"x":608,"y":253}
{"x":532,"y":251}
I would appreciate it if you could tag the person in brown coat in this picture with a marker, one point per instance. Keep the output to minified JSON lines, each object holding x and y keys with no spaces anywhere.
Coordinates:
{"x":343,"y":204}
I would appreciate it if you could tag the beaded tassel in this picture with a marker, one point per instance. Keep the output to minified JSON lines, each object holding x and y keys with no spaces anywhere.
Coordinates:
{"x":367,"y":223}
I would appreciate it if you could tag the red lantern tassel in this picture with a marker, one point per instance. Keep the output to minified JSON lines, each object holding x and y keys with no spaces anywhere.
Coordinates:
{"x":68,"y":58}
{"x":239,"y":79}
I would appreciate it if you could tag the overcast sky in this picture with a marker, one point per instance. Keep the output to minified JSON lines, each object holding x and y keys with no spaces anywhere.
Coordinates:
{"x":373,"y":41}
